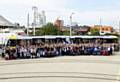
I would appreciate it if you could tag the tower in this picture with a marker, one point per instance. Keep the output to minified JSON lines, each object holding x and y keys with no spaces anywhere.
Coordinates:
{"x":43,"y":18}
{"x":35,"y":10}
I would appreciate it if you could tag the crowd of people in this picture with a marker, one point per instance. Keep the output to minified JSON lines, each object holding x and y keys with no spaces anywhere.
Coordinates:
{"x":57,"y":49}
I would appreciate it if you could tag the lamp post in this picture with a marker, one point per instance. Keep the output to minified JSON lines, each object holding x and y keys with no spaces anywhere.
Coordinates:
{"x":119,"y":27}
{"x":28,"y":24}
{"x":100,"y":26}
{"x":71,"y":24}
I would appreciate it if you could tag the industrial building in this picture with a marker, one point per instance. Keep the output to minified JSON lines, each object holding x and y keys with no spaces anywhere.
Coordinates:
{"x":8,"y":27}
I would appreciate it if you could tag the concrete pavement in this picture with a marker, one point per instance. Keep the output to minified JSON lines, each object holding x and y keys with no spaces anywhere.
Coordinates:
{"x":62,"y":69}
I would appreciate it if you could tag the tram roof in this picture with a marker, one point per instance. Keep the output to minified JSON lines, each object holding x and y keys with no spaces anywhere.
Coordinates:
{"x":90,"y":37}
{"x":47,"y":37}
{"x":54,"y":37}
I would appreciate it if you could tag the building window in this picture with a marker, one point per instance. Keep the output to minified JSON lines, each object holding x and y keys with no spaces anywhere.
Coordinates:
{"x":107,"y":29}
{"x":102,"y":29}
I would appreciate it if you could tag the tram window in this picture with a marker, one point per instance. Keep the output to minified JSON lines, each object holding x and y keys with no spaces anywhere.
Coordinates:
{"x":11,"y":43}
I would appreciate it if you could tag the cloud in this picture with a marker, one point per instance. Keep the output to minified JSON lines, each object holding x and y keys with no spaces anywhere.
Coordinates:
{"x":17,"y":10}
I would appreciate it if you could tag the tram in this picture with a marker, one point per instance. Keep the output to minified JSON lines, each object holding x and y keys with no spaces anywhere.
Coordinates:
{"x":63,"y":42}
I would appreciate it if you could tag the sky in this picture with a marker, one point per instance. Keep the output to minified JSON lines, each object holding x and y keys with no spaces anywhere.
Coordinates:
{"x":86,"y":12}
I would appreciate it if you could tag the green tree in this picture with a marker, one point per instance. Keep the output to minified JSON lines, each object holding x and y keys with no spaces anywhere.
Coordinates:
{"x":49,"y":29}
{"x":67,"y":33}
{"x":94,"y":31}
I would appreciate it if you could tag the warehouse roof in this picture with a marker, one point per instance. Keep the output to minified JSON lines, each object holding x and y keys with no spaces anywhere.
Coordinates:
{"x":5,"y":22}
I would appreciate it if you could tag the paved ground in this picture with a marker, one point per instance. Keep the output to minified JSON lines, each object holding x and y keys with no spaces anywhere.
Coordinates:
{"x":62,"y":69}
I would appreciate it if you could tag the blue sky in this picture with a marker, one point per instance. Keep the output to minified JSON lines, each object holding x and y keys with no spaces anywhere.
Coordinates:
{"x":95,"y":4}
{"x":87,"y":12}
